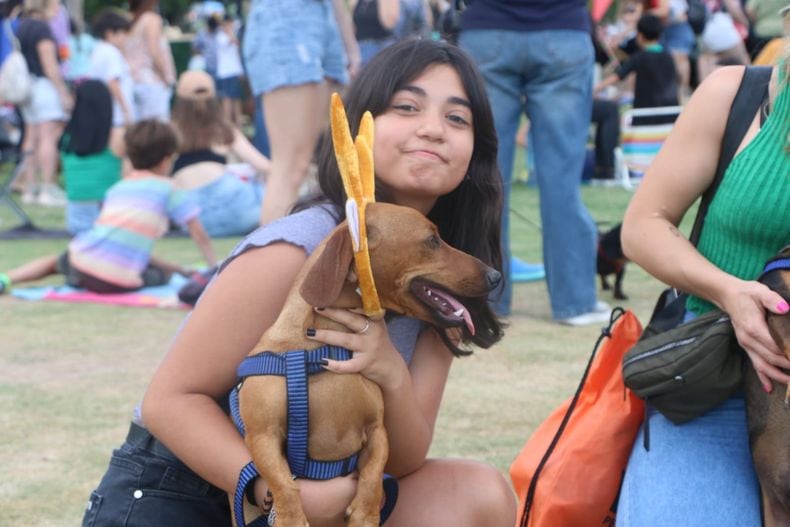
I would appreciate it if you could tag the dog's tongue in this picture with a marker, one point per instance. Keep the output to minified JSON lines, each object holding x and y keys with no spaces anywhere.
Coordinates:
{"x":457,"y":308}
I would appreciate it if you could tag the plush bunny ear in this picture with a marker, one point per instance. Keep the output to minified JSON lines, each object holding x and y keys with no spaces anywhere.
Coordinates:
{"x":325,"y":278}
{"x":345,"y":152}
{"x":364,"y":145}
{"x":355,"y":161}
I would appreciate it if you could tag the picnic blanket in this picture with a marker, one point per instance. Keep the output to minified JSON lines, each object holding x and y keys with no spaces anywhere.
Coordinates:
{"x":164,"y":296}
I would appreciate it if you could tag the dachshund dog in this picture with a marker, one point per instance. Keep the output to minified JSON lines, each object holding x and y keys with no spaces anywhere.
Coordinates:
{"x":417,"y":275}
{"x":611,"y":260}
{"x":768,"y":415}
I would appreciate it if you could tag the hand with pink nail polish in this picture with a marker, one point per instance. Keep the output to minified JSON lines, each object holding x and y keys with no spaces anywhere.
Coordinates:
{"x":747,"y":303}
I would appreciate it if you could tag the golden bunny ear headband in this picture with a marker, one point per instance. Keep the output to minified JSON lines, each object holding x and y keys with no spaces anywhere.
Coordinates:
{"x":355,"y":161}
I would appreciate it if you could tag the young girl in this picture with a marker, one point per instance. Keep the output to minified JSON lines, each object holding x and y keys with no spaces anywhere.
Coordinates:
{"x":91,"y":152}
{"x":435,"y":150}
{"x":229,"y":206}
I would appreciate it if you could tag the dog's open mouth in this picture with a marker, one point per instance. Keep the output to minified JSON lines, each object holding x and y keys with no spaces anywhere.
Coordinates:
{"x":444,"y":305}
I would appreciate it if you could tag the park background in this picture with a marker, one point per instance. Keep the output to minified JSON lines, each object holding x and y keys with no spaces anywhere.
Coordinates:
{"x":71,"y":374}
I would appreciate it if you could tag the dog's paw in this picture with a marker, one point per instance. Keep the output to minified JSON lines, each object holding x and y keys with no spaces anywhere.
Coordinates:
{"x":620,"y":296}
{"x":288,"y":518}
{"x":362,"y":516}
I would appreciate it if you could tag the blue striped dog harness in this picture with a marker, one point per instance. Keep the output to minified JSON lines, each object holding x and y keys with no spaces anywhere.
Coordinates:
{"x":295,"y":366}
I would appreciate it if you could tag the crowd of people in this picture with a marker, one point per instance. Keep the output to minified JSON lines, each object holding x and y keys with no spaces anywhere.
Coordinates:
{"x":141,"y":147}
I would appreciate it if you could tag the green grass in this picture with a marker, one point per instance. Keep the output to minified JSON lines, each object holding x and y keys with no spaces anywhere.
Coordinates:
{"x":71,"y":374}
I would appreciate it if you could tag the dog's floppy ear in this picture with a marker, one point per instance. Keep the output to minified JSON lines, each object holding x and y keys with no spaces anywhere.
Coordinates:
{"x":324,"y":280}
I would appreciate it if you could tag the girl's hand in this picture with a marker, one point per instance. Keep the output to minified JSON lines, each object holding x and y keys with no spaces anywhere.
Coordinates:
{"x":375,"y":357}
{"x":747,"y":304}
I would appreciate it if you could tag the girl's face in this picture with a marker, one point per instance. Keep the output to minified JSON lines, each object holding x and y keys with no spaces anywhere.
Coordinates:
{"x":424,"y":140}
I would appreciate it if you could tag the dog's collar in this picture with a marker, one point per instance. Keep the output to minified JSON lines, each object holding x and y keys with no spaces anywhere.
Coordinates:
{"x":782,"y":263}
{"x":618,"y":265}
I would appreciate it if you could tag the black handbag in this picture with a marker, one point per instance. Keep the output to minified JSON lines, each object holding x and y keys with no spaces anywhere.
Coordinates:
{"x":684,"y":370}
{"x":697,"y":16}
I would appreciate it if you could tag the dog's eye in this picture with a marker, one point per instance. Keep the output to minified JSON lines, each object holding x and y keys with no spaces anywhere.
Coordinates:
{"x":433,"y":242}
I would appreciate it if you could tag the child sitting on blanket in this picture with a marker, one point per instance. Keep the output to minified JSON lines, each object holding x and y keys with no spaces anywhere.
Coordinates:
{"x":114,"y":256}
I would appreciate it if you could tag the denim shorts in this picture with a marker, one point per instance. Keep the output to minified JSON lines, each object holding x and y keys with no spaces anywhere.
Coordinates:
{"x":229,"y":88}
{"x":44,"y":103}
{"x":292,"y":42}
{"x":679,"y":38}
{"x":229,"y":206}
{"x":146,"y":485}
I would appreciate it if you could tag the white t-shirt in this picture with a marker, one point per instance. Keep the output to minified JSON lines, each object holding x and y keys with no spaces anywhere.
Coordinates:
{"x":228,"y":57}
{"x":106,"y":64}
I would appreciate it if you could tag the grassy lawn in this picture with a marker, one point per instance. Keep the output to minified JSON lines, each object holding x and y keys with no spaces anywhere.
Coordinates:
{"x":71,"y":374}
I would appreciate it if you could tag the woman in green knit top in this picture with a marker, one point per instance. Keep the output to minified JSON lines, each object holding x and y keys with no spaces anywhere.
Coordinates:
{"x":700,"y":472}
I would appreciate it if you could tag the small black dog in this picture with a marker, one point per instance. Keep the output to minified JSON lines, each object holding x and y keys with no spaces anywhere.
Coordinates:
{"x":611,"y":260}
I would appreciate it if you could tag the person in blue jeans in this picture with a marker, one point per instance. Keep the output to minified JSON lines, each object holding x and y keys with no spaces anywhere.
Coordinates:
{"x":540,"y":51}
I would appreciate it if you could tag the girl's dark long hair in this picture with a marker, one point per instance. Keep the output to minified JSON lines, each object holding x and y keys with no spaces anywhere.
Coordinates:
{"x":469,"y":217}
{"x":88,"y":130}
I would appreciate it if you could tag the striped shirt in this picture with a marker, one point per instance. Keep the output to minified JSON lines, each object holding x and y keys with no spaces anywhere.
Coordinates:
{"x":136,"y":212}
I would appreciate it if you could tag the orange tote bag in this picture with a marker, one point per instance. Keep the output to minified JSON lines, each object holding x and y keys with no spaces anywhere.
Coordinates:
{"x":569,"y":472}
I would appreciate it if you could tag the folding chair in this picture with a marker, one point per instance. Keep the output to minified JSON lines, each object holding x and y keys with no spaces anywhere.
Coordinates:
{"x":6,"y":191}
{"x":639,"y":143}
{"x":10,"y":153}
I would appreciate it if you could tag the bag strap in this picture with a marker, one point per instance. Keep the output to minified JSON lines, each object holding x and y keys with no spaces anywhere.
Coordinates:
{"x":530,"y":498}
{"x":751,"y":93}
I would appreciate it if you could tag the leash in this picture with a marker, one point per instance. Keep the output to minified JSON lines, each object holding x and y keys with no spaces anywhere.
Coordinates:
{"x":295,"y":366}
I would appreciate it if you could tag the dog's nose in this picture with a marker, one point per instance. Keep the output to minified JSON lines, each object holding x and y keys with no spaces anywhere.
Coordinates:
{"x":493,"y":277}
